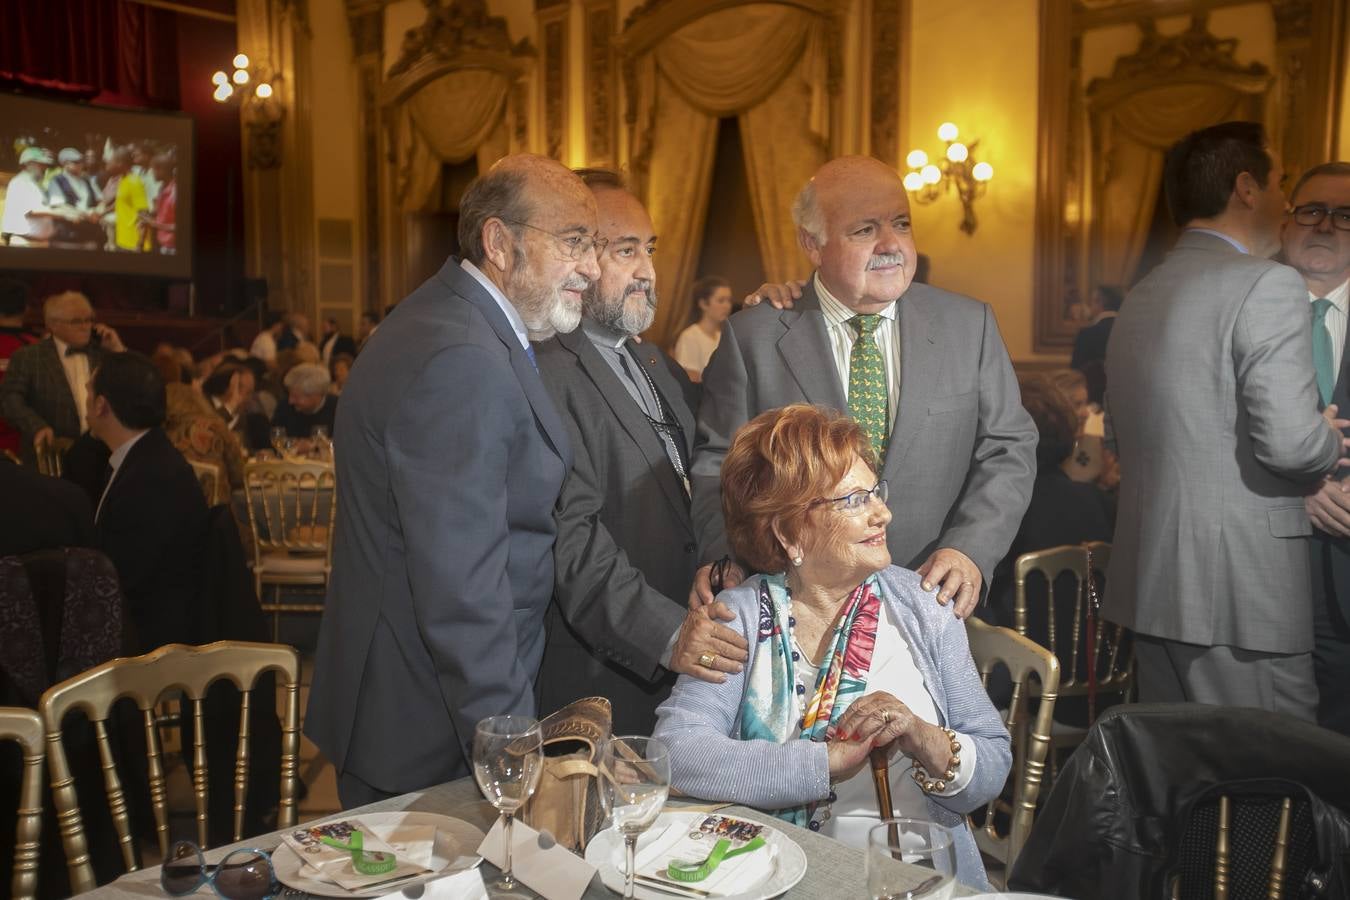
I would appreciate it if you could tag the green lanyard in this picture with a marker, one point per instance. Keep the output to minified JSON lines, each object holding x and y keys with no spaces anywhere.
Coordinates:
{"x":373,"y":863}
{"x":679,"y":870}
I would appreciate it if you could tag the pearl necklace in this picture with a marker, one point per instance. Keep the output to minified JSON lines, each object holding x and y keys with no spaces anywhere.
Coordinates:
{"x":822,"y":812}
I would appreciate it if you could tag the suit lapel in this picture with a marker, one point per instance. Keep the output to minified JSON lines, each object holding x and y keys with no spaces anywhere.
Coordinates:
{"x":627,"y":414}
{"x":920,"y":365}
{"x":56,"y":373}
{"x":806,"y":352}
{"x":651,"y":359}
{"x":545,"y":413}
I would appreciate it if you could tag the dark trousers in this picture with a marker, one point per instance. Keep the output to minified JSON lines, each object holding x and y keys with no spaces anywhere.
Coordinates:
{"x":354,"y":792}
{"x":1331,"y":662}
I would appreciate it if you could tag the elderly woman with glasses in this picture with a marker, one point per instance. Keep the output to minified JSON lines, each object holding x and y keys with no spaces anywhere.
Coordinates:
{"x":847,"y":653}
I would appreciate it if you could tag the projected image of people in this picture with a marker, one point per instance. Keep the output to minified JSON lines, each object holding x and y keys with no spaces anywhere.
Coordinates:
{"x":88,"y":192}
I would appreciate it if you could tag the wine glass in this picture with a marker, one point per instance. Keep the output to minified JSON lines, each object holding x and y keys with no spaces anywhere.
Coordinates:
{"x":634,"y":783}
{"x":323,"y":444}
{"x":280,"y":440}
{"x":508,"y":757}
{"x":908,"y":859}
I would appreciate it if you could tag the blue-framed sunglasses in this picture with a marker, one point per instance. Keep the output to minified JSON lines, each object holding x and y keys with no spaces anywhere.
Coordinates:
{"x":244,"y":874}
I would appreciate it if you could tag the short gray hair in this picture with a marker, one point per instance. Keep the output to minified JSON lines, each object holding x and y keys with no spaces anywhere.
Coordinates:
{"x":1338,"y":169}
{"x":62,"y":304}
{"x":309,"y":378}
{"x":807,"y":214}
{"x":497,"y":193}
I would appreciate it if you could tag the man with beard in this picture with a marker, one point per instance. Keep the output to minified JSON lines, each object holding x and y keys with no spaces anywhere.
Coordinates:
{"x":450,"y":456}
{"x":626,"y":553}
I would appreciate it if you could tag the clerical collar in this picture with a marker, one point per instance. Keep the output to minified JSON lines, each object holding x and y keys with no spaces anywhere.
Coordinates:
{"x":603,"y":336}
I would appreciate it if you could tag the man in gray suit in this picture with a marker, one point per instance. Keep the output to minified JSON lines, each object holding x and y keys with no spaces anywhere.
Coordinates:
{"x":1316,"y":240}
{"x":626,"y":552}
{"x":1213,"y":408}
{"x":450,"y":456}
{"x":924,"y":370}
{"x":43,"y":393}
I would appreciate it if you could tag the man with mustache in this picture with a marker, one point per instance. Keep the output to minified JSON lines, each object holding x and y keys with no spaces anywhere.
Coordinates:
{"x":1316,"y":240}
{"x":626,"y":553}
{"x":450,"y":456}
{"x":924,"y":371}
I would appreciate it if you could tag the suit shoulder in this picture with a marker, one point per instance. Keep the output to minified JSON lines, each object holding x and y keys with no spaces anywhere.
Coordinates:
{"x":754,"y":319}
{"x":928,"y":297}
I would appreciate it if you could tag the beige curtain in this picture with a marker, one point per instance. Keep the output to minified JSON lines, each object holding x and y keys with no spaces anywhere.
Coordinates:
{"x":447,"y":121}
{"x":1132,"y":136}
{"x":714,"y":67}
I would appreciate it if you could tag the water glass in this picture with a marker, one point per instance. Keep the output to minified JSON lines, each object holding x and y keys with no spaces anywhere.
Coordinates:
{"x":634,"y":784}
{"x":909,"y":859}
{"x":508,"y":758}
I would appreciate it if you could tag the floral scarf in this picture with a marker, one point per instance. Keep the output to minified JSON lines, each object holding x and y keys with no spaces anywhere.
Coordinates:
{"x":768,"y":711}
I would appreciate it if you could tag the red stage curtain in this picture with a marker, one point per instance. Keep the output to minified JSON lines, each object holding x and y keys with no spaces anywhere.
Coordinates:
{"x":118,"y":50}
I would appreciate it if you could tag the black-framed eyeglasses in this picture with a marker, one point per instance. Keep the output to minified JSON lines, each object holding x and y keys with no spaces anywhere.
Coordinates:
{"x":854,"y":503}
{"x":245,"y":874}
{"x":1311,"y":215}
{"x":574,"y":246}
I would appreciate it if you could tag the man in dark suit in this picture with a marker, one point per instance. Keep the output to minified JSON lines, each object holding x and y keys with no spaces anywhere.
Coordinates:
{"x":151,"y":517}
{"x":1316,"y":240}
{"x":625,"y":553}
{"x":1089,"y":345}
{"x":942,"y":409}
{"x":450,"y":458}
{"x":44,"y":512}
{"x":43,"y":394}
{"x":334,"y":341}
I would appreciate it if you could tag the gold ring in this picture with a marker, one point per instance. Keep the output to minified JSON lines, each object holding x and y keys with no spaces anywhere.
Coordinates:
{"x":706,"y":660}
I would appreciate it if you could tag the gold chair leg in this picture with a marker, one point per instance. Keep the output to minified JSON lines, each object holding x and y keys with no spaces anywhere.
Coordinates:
{"x":1279,"y":857}
{"x":1221,"y":852}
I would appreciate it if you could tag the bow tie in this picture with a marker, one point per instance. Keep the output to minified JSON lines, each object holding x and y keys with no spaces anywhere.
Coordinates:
{"x":71,"y":351}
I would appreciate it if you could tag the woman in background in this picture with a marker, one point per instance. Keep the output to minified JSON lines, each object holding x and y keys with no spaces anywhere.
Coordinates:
{"x":695,"y":345}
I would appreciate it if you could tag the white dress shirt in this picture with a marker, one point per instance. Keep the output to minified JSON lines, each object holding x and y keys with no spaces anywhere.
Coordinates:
{"x":76,"y":366}
{"x":115,"y":461}
{"x":842,"y":336}
{"x":517,"y":323}
{"x":264,"y":347}
{"x":25,"y":195}
{"x":1336,"y":320}
{"x":854,"y":810}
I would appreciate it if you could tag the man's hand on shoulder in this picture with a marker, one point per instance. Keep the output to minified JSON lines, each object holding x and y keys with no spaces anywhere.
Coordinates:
{"x":707,"y":650}
{"x":779,"y":296}
{"x":955,"y":576}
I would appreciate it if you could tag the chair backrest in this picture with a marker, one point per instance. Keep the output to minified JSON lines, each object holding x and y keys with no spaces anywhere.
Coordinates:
{"x":291,"y":507}
{"x":1112,"y":649}
{"x":144,"y":679}
{"x":991,"y":646}
{"x":51,"y":456}
{"x":208,"y":476}
{"x":24,"y":727}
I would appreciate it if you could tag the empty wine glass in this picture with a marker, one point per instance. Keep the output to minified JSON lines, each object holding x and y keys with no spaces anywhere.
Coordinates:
{"x":280,"y":440}
{"x":909,"y":859}
{"x":508,"y":757}
{"x":634,"y":784}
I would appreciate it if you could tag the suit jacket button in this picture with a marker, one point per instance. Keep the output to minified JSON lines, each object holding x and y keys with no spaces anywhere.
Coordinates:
{"x":689,"y":548}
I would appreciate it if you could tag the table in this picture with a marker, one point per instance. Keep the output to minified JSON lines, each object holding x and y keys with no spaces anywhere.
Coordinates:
{"x":833,"y":870}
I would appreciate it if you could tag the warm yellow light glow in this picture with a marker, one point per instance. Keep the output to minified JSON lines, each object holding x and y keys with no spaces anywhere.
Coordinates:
{"x":982,"y":172}
{"x":957,"y":152}
{"x":219,"y":78}
{"x":931,"y":174}
{"x":947,"y":132}
{"x":241,"y":76}
{"x":917,"y":159}
{"x":241,"y":61}
{"x":263,"y":90}
{"x":222,"y":92}
{"x":913,"y":181}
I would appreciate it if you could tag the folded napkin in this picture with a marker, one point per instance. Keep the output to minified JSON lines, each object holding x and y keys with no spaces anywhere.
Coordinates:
{"x":692,"y":838}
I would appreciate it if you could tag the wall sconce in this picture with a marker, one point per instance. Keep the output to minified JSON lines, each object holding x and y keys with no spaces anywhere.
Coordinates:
{"x":928,"y":181}
{"x":260,"y":107}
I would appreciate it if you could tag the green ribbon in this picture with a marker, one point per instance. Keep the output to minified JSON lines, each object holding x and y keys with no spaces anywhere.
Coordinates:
{"x":373,"y":863}
{"x":680,"y":870}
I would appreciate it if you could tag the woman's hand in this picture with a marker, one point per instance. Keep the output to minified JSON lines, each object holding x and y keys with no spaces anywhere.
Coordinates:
{"x":880,"y":720}
{"x":846,"y":757}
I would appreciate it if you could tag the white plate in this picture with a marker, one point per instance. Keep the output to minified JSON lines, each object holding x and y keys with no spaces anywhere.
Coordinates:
{"x":1018,"y":896}
{"x":789,"y":863}
{"x":454,"y":851}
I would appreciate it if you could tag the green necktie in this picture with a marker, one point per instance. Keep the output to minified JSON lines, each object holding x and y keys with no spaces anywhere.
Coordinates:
{"x":867,"y":401}
{"x":1323,"y":354}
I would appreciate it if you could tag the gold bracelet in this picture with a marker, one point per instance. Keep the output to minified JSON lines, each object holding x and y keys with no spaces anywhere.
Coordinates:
{"x":938,"y":785}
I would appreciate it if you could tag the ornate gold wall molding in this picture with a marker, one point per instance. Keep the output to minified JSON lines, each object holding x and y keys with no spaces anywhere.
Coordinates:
{"x":602,"y":85}
{"x":553,"y":65}
{"x":1309,"y":50}
{"x":366,"y":23}
{"x":889,"y":30}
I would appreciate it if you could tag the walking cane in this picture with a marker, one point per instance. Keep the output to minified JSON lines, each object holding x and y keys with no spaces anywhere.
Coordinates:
{"x":881,"y":780}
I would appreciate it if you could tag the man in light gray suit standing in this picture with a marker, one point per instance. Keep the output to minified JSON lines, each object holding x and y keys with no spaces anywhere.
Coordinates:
{"x":450,"y":456}
{"x":1213,"y":409}
{"x":924,"y":371}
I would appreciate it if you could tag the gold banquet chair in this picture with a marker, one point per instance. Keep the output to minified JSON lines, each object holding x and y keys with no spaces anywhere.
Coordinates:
{"x":24,"y":727}
{"x":291,"y":510}
{"x":1112,"y":647}
{"x":144,"y":679}
{"x":51,"y":456}
{"x":208,"y":476}
{"x":991,"y":646}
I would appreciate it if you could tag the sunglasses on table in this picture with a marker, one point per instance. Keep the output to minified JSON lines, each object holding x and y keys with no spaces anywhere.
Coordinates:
{"x":244,"y":874}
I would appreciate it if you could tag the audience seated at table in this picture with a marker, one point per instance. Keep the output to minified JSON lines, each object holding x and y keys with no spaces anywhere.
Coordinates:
{"x":232,"y":390}
{"x":847,"y":653}
{"x":308,"y":404}
{"x":195,"y":428}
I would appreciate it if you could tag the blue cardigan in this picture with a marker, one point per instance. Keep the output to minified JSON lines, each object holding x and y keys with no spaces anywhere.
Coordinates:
{"x":700,"y":720}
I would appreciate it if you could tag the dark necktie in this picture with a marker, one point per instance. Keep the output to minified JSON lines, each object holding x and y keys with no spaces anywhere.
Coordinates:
{"x":72,"y":351}
{"x":1323,"y":352}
